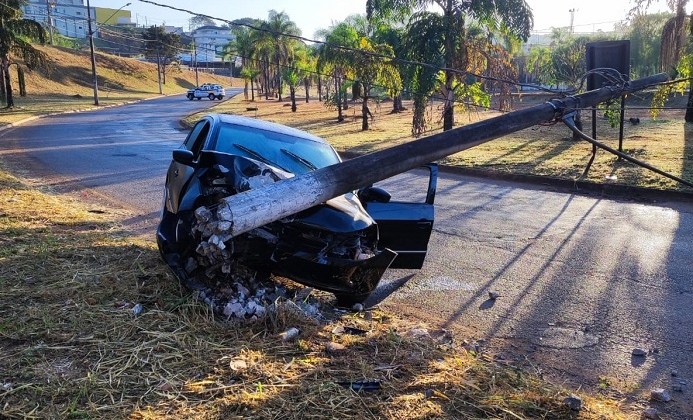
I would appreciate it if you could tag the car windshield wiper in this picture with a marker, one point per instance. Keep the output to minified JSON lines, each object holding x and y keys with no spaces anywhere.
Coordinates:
{"x":259,"y":157}
{"x":298,"y":158}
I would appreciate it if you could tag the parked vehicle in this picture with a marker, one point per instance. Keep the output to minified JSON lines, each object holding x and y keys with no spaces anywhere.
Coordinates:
{"x":210,"y":91}
{"x":342,"y":246}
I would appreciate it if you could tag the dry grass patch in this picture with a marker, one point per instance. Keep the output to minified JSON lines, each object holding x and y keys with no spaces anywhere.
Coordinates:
{"x":545,"y":150}
{"x":69,"y":83}
{"x":92,"y":325}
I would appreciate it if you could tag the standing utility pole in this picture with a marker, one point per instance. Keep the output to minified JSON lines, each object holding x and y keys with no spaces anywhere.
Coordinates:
{"x":93,"y":58}
{"x":50,"y":20}
{"x":572,"y":19}
{"x":158,"y":66}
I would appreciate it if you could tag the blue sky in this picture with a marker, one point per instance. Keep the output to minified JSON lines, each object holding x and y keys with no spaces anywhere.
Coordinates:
{"x":310,"y":15}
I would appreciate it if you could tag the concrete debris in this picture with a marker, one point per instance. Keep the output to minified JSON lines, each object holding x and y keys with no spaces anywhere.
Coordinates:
{"x":238,"y":365}
{"x":638,"y":352}
{"x":290,"y":334}
{"x":137,"y":309}
{"x":573,"y":402}
{"x":334,"y":348}
{"x":660,"y":394}
{"x":651,"y":413}
{"x":419,"y":333}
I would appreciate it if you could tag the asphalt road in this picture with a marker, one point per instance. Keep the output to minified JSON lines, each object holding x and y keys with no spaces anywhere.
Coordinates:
{"x":583,"y":280}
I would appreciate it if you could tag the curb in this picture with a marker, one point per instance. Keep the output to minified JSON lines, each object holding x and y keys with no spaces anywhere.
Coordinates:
{"x":617,"y":191}
{"x":613,"y":191}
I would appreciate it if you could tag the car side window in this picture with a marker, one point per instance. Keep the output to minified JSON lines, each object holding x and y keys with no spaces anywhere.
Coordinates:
{"x":196,"y":138}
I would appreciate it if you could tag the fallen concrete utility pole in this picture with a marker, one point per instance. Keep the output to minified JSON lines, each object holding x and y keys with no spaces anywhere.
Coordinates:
{"x":258,"y":207}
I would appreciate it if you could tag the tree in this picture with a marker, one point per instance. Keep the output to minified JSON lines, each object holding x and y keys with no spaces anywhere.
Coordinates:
{"x":335,"y":55}
{"x":540,"y":65}
{"x":14,"y":32}
{"x":242,"y":45}
{"x":199,"y":21}
{"x":673,"y":44}
{"x":645,"y":32}
{"x":162,"y":46}
{"x":372,"y":67}
{"x":281,"y":32}
{"x":511,"y":16}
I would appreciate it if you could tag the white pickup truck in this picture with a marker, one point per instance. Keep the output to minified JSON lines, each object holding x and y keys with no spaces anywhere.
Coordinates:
{"x":207,"y":91}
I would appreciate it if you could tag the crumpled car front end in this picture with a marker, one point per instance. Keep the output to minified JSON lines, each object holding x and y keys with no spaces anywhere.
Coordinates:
{"x":332,"y":247}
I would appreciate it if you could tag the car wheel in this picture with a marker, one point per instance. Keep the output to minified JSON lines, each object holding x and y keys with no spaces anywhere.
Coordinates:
{"x":220,"y":97}
{"x":347,"y":301}
{"x":211,"y":96}
{"x":190,"y":97}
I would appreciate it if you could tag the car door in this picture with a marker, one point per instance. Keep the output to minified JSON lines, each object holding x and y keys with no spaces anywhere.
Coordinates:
{"x":405,"y":227}
{"x":180,"y":173}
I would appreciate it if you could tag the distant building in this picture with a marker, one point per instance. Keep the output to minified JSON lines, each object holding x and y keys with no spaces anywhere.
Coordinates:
{"x":70,"y":17}
{"x":208,"y":45}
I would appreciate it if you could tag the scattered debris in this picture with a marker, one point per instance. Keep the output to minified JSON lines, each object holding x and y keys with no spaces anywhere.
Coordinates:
{"x":493,"y":294}
{"x":290,"y":334}
{"x":674,"y":373}
{"x":358,"y":307}
{"x":7,"y":386}
{"x":573,"y":402}
{"x":419,"y":333}
{"x":238,"y":365}
{"x":638,"y":352}
{"x":366,"y":385}
{"x":660,"y":394}
{"x":340,"y":330}
{"x":677,"y":388}
{"x":651,"y":413}
{"x":334,"y":348}
{"x":137,"y":309}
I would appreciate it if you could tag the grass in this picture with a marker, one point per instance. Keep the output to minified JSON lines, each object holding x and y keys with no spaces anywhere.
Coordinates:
{"x":68,"y":85}
{"x":542,"y":150}
{"x":71,"y":345}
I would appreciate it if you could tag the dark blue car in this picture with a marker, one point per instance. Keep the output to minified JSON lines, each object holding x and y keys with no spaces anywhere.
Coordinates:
{"x":342,"y":246}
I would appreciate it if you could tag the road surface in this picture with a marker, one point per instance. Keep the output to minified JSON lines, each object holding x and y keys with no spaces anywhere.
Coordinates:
{"x":583,"y":280}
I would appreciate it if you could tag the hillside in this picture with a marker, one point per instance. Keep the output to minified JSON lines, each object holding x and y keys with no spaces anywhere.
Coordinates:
{"x":69,"y":83}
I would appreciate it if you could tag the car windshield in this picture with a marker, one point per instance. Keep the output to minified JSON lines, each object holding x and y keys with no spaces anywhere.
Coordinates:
{"x":294,"y":154}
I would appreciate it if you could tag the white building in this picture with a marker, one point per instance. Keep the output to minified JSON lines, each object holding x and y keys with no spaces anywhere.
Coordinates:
{"x":70,"y":18}
{"x":209,"y":43}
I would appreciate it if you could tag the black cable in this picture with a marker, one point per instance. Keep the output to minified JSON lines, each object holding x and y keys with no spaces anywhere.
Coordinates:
{"x":569,"y":121}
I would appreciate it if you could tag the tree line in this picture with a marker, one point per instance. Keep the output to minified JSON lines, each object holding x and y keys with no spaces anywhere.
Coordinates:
{"x":461,"y":54}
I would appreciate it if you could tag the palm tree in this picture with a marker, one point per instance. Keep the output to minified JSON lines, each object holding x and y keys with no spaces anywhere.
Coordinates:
{"x":370,"y":68}
{"x":336,"y":55}
{"x":14,"y":30}
{"x":281,"y":32}
{"x":515,"y":16}
{"x":241,"y":46}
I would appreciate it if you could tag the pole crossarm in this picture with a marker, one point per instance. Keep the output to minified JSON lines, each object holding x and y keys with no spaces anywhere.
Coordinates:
{"x":258,"y":207}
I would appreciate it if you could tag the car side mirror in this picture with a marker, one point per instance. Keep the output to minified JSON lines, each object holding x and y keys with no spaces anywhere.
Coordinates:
{"x":374,"y":194}
{"x":184,"y":156}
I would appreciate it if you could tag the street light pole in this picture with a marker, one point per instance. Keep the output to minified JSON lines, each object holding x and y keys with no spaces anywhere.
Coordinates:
{"x":91,"y":48}
{"x":93,"y":57}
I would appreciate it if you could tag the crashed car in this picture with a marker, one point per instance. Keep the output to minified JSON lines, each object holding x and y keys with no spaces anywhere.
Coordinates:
{"x":342,"y":246}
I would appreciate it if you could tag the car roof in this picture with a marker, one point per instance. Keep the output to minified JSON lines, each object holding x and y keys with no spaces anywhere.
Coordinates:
{"x":266,"y":125}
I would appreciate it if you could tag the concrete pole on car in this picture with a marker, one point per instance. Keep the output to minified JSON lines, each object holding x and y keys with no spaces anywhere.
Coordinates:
{"x":254,"y":208}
